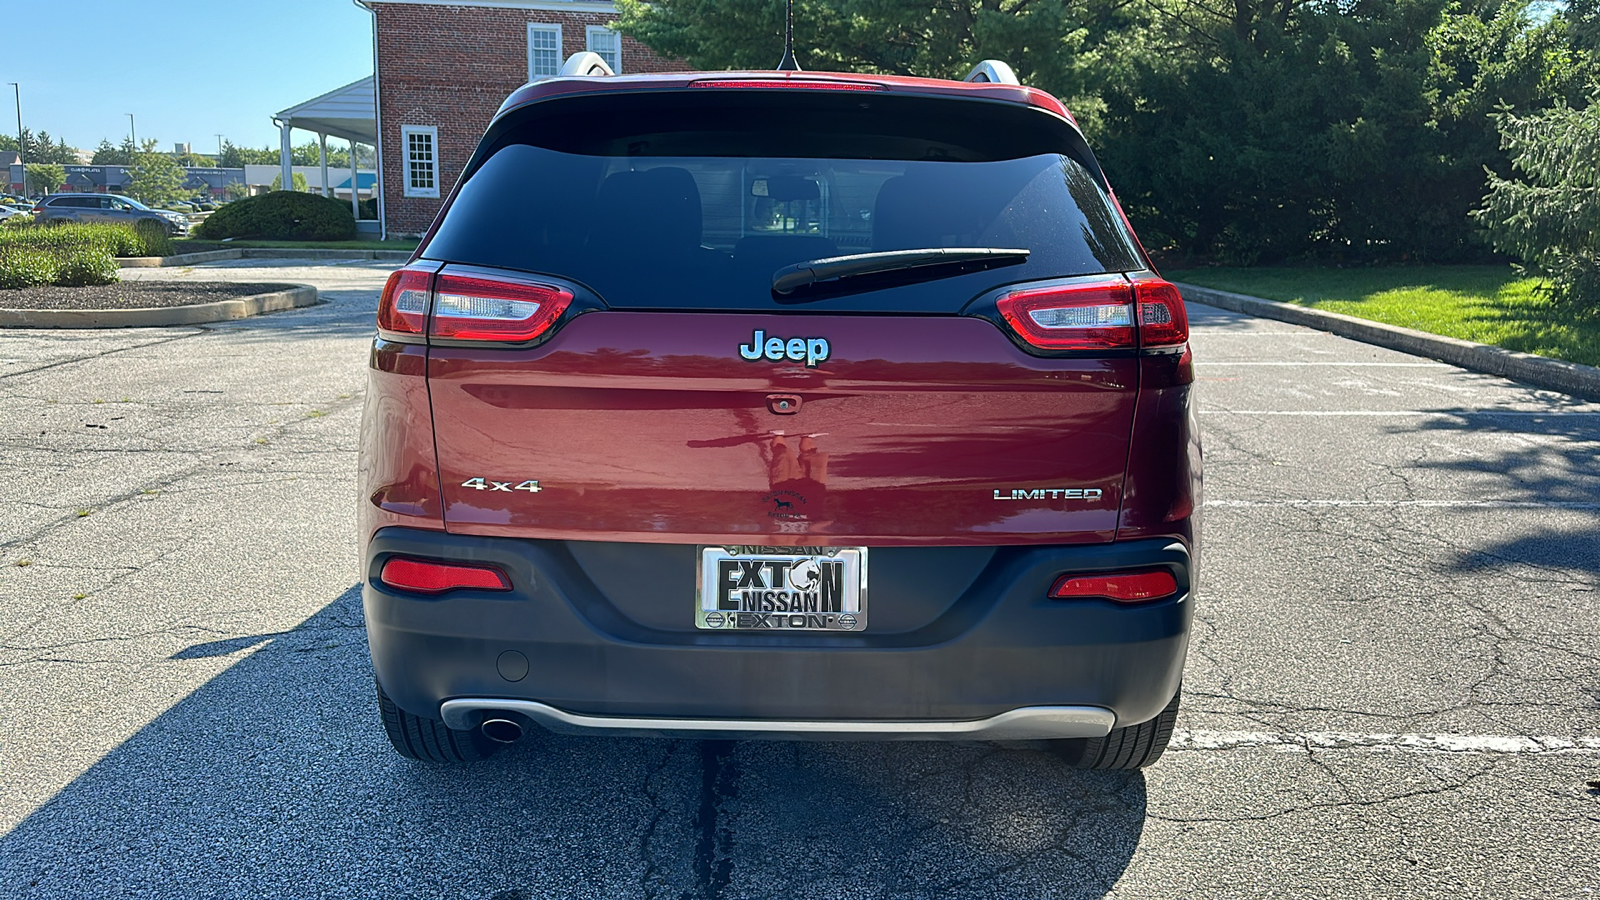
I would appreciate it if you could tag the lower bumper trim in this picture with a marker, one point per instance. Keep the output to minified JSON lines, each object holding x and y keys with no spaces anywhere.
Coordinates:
{"x":1026,"y":723}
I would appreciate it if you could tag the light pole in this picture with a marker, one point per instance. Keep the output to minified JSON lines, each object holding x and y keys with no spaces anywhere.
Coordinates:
{"x":132,"y":134}
{"x":219,"y":151}
{"x":22,"y":148}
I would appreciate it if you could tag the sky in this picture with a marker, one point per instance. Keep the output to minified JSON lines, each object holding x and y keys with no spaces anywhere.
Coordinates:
{"x":188,"y":70}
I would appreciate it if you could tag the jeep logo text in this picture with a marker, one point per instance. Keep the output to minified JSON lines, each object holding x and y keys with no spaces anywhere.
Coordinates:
{"x":808,"y":350}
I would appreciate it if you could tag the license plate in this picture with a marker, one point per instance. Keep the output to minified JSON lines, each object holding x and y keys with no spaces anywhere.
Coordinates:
{"x":781,"y":589}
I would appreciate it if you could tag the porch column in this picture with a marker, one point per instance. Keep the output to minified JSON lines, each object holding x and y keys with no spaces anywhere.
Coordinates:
{"x":355,"y":182}
{"x":322,"y":157}
{"x":286,"y":157}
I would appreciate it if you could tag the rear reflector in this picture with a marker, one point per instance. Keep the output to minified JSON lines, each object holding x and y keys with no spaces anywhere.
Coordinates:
{"x":1123,"y":587}
{"x":1093,"y":316}
{"x":426,"y":576}
{"x":403,"y":307}
{"x":492,"y":309}
{"x":806,"y":83}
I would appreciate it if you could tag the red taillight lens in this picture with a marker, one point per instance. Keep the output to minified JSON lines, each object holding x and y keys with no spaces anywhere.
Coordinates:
{"x":491,"y":309}
{"x":403,"y":308}
{"x":1163,"y":322}
{"x":1093,"y":316}
{"x":425,"y":576}
{"x":1123,"y":587}
{"x":806,"y":83}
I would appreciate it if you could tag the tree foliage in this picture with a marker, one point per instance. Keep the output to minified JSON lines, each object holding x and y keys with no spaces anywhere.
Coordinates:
{"x":1252,"y":130}
{"x":156,"y":178}
{"x":109,"y":154}
{"x":40,"y":148}
{"x":1051,"y":43}
{"x":1550,"y":217}
{"x":297,"y":182}
{"x":45,"y":177}
{"x":237,"y":157}
{"x":234,"y":156}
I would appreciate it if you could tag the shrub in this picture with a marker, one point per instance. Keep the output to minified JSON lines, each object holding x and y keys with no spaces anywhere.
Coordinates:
{"x":80,"y":268}
{"x":281,"y":216}
{"x":22,"y":267}
{"x":154,"y":240}
{"x":117,"y":240}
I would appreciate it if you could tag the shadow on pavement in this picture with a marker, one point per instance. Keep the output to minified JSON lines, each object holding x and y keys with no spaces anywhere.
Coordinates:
{"x":274,"y":779}
{"x":1556,"y":467}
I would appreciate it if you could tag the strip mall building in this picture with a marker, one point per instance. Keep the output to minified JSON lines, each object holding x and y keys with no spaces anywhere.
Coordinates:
{"x":443,"y":70}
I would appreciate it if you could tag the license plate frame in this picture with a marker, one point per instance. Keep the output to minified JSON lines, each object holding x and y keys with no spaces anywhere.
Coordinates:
{"x":831,"y":593}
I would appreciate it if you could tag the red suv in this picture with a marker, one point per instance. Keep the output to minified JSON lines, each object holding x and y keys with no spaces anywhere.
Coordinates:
{"x":776,"y":404}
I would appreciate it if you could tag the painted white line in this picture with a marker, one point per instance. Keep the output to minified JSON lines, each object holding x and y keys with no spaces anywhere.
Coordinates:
{"x":1435,"y":504}
{"x":1378,"y":413}
{"x":1306,"y":741}
{"x":1326,"y":363}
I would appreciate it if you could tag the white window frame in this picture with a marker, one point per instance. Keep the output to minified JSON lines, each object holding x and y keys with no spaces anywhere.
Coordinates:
{"x":546,"y":28}
{"x":406,"y":132}
{"x":589,"y":33}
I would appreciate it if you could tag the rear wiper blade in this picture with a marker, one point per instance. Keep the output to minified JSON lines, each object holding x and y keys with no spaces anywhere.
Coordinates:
{"x":831,"y":269}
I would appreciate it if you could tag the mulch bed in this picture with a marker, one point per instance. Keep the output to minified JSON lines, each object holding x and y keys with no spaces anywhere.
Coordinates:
{"x":132,"y":295}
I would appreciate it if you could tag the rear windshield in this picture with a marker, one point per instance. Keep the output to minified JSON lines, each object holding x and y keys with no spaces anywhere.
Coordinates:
{"x":693,"y":219}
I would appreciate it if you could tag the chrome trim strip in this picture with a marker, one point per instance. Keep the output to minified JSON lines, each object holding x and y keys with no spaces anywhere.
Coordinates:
{"x":1026,"y":723}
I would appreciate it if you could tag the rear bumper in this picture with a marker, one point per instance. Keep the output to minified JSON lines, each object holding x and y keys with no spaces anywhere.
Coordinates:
{"x":1002,"y":662}
{"x":1028,"y":723}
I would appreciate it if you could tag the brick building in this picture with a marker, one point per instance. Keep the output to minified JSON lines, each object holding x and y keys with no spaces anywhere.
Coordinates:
{"x":443,"y":69}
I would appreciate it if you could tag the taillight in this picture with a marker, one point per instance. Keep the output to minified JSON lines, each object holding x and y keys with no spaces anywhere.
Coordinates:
{"x":1093,"y":316}
{"x":426,"y":576}
{"x":403,"y":308}
{"x":1098,"y":315}
{"x":1123,"y":587}
{"x":471,"y":308}
{"x":1163,"y":322}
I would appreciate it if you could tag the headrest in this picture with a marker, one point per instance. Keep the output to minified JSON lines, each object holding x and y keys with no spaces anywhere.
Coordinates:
{"x":648,"y":211}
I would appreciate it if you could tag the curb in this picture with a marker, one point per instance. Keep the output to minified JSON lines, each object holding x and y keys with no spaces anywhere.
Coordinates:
{"x":1539,"y":371}
{"x":219,"y":311}
{"x":189,"y":259}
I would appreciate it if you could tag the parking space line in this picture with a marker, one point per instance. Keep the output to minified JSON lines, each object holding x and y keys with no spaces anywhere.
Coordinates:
{"x":1379,"y":413}
{"x":1327,"y":363}
{"x":1307,"y":741}
{"x":1436,"y":504}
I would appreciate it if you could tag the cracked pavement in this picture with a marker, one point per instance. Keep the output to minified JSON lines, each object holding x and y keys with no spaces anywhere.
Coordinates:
{"x":1393,"y":689}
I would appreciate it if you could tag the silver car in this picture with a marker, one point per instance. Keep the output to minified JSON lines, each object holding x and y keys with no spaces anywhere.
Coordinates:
{"x":108,"y":208}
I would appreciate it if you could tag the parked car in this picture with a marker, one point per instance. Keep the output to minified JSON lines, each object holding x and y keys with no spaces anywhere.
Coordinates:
{"x":789,"y":405}
{"x":7,"y":212}
{"x":105,"y":208}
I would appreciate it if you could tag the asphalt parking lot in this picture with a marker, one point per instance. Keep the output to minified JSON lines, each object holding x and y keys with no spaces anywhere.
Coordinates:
{"x":1394,"y":687}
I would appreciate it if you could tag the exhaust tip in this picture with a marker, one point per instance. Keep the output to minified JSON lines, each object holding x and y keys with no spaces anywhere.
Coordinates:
{"x":502,"y":731}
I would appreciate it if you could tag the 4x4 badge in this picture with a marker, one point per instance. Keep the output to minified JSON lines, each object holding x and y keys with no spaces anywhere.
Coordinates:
{"x":810,"y":350}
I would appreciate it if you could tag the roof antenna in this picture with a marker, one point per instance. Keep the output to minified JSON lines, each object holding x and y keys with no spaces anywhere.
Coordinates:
{"x":788,"y":63}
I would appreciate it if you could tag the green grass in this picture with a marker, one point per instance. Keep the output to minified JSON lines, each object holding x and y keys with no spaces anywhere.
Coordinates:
{"x":1487,"y":304}
{"x":186,"y":245}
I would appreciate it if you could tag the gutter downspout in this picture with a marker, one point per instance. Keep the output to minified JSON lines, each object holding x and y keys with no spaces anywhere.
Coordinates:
{"x":377,"y":118}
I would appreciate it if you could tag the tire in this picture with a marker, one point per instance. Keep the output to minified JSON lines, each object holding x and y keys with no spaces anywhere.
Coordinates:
{"x":429,"y":740}
{"x":1133,"y":747}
